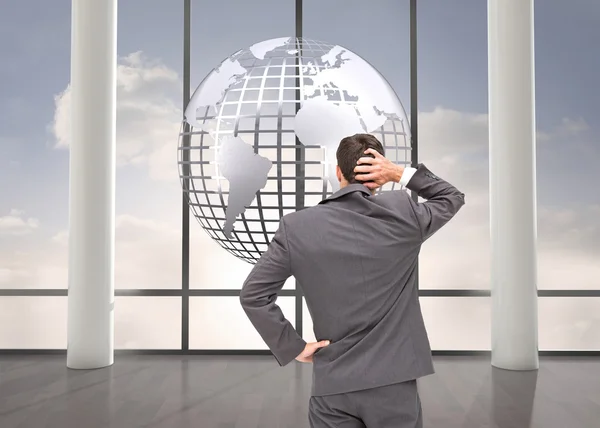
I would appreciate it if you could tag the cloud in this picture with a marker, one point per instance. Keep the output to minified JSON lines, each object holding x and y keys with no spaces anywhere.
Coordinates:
{"x":15,"y":223}
{"x":147,"y":255}
{"x":469,"y":131}
{"x":33,"y":263}
{"x":446,"y":133}
{"x":455,"y":145}
{"x":542,"y":137}
{"x":569,"y":246}
{"x":147,"y":252}
{"x":567,"y":128}
{"x":61,"y":238}
{"x":573,"y":227}
{"x":573,"y":126}
{"x":148,"y":116}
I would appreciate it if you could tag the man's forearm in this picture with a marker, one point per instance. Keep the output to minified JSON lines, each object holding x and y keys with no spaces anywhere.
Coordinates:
{"x":401,"y":175}
{"x":442,"y":200}
{"x":277,"y":332}
{"x":258,"y":298}
{"x":428,"y":185}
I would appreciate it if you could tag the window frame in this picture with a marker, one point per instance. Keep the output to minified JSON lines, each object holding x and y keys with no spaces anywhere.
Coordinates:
{"x":184,"y":292}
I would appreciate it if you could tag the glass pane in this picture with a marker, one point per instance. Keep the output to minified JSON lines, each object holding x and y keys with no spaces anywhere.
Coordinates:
{"x":386,"y":49}
{"x":362,"y":76}
{"x":211,"y":266}
{"x":149,"y":112}
{"x":453,"y":139}
{"x":34,"y":206}
{"x":41,"y":322}
{"x":265,"y":20}
{"x":453,"y":323}
{"x":568,"y":149}
{"x":147,"y":322}
{"x":217,"y":259}
{"x":221,"y":323}
{"x":35,"y":165}
{"x":458,"y":323}
{"x":569,"y":323}
{"x":33,"y":322}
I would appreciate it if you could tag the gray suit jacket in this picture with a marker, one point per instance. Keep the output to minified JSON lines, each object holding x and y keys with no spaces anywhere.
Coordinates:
{"x":355,"y":257}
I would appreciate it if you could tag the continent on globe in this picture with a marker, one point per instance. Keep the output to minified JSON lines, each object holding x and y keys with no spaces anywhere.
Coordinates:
{"x":320,"y":122}
{"x":246,"y":172}
{"x":214,"y":87}
{"x":260,"y":49}
{"x":253,"y":94}
{"x":347,"y":71}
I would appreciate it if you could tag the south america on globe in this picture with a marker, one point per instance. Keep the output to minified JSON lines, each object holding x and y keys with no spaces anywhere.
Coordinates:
{"x":263,"y":129}
{"x":244,"y":182}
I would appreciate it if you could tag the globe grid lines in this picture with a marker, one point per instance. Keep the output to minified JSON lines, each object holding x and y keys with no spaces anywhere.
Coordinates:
{"x":259,"y":107}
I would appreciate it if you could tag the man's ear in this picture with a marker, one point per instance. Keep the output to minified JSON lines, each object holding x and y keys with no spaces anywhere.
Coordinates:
{"x":338,"y":172}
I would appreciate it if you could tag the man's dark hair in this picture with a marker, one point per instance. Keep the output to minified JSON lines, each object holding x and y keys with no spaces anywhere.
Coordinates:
{"x":351,"y":149}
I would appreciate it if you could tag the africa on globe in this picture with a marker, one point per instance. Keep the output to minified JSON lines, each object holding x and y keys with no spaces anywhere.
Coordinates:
{"x":264,"y":127}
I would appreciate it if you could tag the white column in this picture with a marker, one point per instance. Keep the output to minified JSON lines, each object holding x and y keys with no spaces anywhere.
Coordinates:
{"x":512,"y":184}
{"x":92,"y":183}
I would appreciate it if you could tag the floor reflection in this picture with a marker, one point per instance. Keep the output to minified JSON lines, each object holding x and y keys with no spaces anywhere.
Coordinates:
{"x":236,"y":391}
{"x":505,"y":399}
{"x":513,"y":394}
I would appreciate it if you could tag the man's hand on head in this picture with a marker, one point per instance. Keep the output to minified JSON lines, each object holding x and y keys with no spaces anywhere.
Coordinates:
{"x":309,"y":350}
{"x":377,"y":170}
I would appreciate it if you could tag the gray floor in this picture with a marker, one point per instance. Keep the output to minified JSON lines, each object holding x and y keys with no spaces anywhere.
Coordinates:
{"x":244,"y":392}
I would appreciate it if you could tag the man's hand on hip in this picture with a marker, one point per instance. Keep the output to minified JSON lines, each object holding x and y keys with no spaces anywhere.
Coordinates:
{"x":309,"y":350}
{"x":377,"y":170}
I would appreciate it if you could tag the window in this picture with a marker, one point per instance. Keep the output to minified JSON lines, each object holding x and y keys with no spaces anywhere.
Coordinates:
{"x":386,"y":47}
{"x":453,"y":139}
{"x":143,"y":322}
{"x":212,"y":266}
{"x":28,"y":322}
{"x":34,"y":207}
{"x":149,"y":113}
{"x":34,"y":173}
{"x":569,"y":323}
{"x":221,"y":323}
{"x":567,"y":149}
{"x":458,"y":323}
{"x":154,"y":308}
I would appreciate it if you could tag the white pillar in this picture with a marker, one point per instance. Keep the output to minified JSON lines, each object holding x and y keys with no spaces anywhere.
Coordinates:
{"x":512,"y":184}
{"x":92,"y":183}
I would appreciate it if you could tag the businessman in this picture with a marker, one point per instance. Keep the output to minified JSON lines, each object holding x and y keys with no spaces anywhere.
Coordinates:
{"x":355,"y":257}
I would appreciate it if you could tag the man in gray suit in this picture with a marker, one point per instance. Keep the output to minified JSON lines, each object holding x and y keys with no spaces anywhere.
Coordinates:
{"x":355,"y":257}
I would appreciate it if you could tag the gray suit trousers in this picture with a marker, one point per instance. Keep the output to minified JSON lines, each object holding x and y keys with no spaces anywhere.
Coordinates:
{"x":392,"y":406}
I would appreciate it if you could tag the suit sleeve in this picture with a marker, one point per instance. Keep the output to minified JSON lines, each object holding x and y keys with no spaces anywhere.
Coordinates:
{"x":443,"y":200}
{"x":258,"y":298}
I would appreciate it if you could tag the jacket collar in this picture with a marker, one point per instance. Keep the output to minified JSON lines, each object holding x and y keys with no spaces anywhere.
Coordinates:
{"x":350,"y":188}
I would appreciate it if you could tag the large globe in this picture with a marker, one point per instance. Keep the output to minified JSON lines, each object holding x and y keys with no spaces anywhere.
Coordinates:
{"x":263,"y":130}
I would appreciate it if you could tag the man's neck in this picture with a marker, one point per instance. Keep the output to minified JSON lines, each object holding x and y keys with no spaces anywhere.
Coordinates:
{"x":344,"y":183}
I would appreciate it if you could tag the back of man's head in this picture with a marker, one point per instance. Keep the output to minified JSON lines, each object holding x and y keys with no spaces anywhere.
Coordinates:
{"x":351,"y":149}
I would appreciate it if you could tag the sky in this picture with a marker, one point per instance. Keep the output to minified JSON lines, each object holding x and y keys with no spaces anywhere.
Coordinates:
{"x":453,"y":140}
